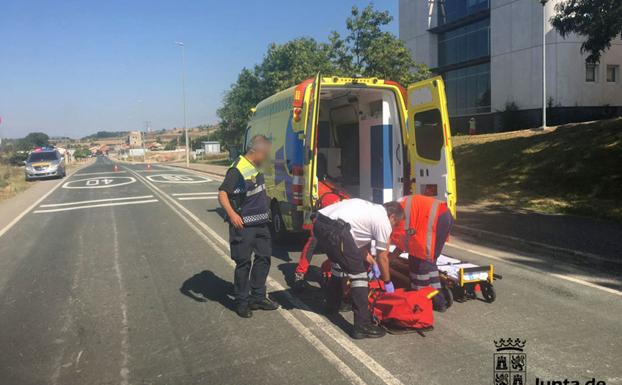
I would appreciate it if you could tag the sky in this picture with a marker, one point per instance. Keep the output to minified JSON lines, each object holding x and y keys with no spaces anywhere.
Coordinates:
{"x":71,"y":68}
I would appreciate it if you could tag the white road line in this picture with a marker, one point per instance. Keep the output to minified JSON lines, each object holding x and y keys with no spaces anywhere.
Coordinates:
{"x":95,"y":201}
{"x":196,"y":198}
{"x":198,"y":193}
{"x":564,"y":277}
{"x":101,"y":173}
{"x":23,"y":213}
{"x":328,"y":328}
{"x":124,"y":371}
{"x":92,"y":206}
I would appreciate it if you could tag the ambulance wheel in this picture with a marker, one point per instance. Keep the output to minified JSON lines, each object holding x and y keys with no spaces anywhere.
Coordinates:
{"x":488,"y":292}
{"x":449,"y":296}
{"x":278,"y":226}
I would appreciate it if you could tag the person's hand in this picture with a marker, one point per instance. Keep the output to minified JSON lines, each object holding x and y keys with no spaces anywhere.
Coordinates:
{"x":236,"y":221}
{"x":375,"y":272}
{"x":388,"y":287}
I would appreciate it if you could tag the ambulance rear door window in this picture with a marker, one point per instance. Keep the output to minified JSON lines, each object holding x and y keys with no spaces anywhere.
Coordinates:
{"x":429,"y":134}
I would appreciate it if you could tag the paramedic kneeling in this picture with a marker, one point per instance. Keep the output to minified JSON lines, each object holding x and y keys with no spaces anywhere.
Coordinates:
{"x":345,"y":231}
{"x":425,"y":229}
{"x":242,"y":195}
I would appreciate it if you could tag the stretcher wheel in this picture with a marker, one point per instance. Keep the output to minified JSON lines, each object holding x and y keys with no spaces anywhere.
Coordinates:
{"x":488,"y":292}
{"x":449,"y":296}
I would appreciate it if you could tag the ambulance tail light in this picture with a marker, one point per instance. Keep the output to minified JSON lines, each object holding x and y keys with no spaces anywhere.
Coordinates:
{"x":297,"y":184}
{"x":430,"y":190}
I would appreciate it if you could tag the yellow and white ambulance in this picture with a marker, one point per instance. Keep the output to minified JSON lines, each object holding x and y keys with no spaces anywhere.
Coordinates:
{"x":369,"y":137}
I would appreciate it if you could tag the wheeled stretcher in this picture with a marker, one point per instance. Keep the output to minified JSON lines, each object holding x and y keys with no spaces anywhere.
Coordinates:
{"x":460,"y":280}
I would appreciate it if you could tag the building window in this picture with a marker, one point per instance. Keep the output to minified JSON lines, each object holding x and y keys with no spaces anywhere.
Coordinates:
{"x":465,"y":43}
{"x":591,"y":72}
{"x":451,"y":10}
{"x":468,"y":90}
{"x":613,"y":73}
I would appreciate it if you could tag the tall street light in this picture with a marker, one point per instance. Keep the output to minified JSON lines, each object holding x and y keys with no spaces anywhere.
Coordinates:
{"x":183,"y":95}
{"x":543,"y":2}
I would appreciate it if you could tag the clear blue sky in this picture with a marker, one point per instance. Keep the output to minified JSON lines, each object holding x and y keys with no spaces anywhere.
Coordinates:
{"x":75,"y":67}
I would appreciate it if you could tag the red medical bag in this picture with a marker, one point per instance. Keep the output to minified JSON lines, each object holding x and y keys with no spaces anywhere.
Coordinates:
{"x":402,"y":310}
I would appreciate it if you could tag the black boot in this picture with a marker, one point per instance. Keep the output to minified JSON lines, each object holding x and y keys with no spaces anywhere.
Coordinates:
{"x":264,"y":304}
{"x":244,"y":311}
{"x":367,"y":331}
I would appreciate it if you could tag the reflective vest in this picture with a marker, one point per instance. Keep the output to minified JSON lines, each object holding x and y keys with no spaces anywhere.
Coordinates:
{"x":249,"y":197}
{"x":417,"y":233}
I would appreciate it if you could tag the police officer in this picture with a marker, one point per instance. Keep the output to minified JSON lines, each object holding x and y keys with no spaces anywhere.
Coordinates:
{"x":243,"y":197}
{"x":345,"y":231}
{"x":423,"y":233}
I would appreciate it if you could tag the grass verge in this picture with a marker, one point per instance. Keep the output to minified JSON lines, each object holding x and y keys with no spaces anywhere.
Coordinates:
{"x":11,"y":181}
{"x":570,"y":169}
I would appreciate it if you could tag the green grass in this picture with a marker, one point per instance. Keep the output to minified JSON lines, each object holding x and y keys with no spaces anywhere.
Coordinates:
{"x":11,"y":181}
{"x":572,"y":169}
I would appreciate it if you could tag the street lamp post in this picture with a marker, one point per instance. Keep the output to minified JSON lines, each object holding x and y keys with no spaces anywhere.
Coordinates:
{"x":183,"y":95}
{"x":543,"y":2}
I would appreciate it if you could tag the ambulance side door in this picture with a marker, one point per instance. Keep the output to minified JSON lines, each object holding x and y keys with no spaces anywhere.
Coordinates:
{"x":310,"y":151}
{"x":429,"y":142}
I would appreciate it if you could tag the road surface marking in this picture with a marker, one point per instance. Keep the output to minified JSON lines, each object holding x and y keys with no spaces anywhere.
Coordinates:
{"x":178,"y":178}
{"x":196,"y":198}
{"x":101,"y":173}
{"x":102,"y":182}
{"x":23,"y":213}
{"x":564,"y":277}
{"x":328,"y":328}
{"x":124,"y":372}
{"x":95,"y":201}
{"x":92,"y":206}
{"x":201,"y":193}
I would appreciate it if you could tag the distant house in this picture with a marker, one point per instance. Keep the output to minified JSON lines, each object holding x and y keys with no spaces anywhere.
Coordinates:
{"x":135,"y":139}
{"x":211,"y":147}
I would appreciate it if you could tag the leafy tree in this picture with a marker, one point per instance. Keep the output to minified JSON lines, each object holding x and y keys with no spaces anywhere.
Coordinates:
{"x":81,"y":152}
{"x":366,"y":50}
{"x":34,"y":139}
{"x":369,"y":51}
{"x":283,"y":66}
{"x":599,"y":21}
{"x":171,"y":145}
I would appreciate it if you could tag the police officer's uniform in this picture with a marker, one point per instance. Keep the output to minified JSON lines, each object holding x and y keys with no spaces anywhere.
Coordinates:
{"x":246,"y":189}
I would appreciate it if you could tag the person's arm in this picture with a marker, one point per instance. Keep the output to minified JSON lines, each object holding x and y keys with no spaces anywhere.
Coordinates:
{"x":383,"y":263}
{"x":227,"y":187}
{"x":234,"y":218}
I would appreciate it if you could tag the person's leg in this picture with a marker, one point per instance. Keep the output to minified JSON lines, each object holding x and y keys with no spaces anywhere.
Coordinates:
{"x":262,"y":245}
{"x":443,"y":227}
{"x":305,"y":256}
{"x":240,"y":244}
{"x":419,"y":277}
{"x":334,"y":289}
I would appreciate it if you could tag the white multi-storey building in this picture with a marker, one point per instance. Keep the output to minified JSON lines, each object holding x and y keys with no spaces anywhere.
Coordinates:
{"x":490,"y":53}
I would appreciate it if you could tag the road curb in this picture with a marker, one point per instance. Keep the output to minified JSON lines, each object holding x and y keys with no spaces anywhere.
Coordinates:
{"x":479,"y":233}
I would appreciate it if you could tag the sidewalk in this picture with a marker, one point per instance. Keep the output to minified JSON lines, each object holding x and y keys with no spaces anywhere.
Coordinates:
{"x":564,"y":234}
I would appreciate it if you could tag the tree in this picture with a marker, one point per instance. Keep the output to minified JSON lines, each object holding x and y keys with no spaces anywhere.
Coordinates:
{"x":283,"y":66}
{"x":599,"y":21}
{"x":34,"y":139}
{"x":369,"y":51}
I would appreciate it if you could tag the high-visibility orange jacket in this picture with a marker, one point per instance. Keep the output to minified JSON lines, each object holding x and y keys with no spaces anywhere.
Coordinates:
{"x":416,"y":234}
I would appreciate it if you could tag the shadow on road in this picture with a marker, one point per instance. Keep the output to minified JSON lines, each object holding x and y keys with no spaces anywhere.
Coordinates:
{"x":206,"y":286}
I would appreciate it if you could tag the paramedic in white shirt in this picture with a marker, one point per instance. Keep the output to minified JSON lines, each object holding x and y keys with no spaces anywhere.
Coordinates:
{"x":345,"y":231}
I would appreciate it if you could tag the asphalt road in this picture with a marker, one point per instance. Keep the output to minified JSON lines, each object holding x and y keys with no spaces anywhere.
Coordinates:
{"x":124,"y":278}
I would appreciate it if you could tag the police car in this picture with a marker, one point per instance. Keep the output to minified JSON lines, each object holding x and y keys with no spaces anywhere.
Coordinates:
{"x":44,"y":162}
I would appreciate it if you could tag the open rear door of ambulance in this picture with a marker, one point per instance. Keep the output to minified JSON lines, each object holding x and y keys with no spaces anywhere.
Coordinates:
{"x":312,"y":115}
{"x":429,"y":142}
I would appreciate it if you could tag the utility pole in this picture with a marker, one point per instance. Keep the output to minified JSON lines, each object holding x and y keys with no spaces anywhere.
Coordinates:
{"x":183,"y":96}
{"x":543,"y":2}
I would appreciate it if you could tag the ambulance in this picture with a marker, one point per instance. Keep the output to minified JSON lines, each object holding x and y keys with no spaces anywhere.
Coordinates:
{"x":369,"y":137}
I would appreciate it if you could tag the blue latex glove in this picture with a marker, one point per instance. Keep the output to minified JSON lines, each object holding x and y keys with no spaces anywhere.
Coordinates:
{"x":375,"y":272}
{"x":388,"y":287}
